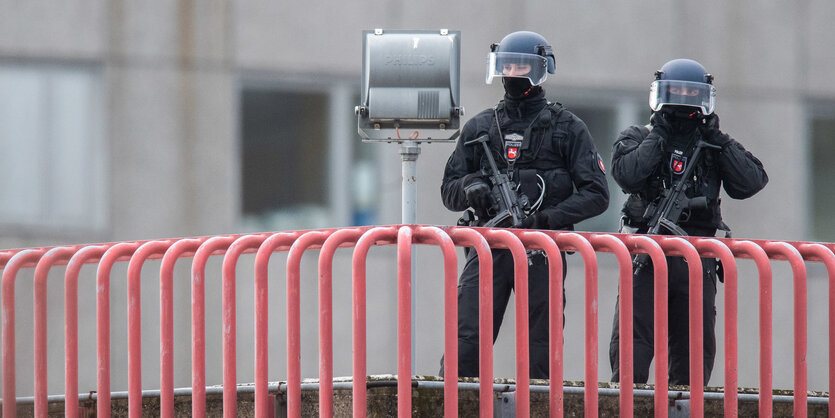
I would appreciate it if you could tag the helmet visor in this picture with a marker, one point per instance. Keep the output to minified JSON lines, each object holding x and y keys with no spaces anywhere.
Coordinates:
{"x":682,"y":93}
{"x":515,"y":64}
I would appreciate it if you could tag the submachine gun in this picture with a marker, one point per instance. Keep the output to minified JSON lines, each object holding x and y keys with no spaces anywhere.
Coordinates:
{"x":509,"y":207}
{"x":665,"y":212}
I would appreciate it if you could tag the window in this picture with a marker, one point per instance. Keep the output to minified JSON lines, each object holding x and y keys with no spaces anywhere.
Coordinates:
{"x":605,"y":122}
{"x":822,"y":155}
{"x":302,"y":162}
{"x":53,"y":159}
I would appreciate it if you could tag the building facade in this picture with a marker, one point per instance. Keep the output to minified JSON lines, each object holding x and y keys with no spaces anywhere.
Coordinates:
{"x":127,"y":121}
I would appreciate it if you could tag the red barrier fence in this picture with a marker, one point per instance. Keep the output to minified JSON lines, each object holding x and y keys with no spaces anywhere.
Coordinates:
{"x":295,"y":244}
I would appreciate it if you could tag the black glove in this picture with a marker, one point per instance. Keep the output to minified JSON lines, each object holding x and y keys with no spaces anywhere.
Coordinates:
{"x":661,"y":125}
{"x":711,"y":133}
{"x":537,"y":220}
{"x":477,"y":191}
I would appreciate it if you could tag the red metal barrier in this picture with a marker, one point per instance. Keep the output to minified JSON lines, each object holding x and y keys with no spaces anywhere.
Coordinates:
{"x":471,"y":238}
{"x":612,"y":244}
{"x":83,"y":256}
{"x":817,"y":252}
{"x":576,"y":242}
{"x":404,"y":237}
{"x":198,"y":320}
{"x":659,"y":263}
{"x":538,"y":240}
{"x":280,"y":241}
{"x":145,"y":251}
{"x":715,"y":248}
{"x":359,"y":320}
{"x":751,"y":250}
{"x":166,"y":318}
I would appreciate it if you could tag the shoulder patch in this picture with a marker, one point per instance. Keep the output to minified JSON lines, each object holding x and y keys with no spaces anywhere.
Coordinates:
{"x":600,"y":163}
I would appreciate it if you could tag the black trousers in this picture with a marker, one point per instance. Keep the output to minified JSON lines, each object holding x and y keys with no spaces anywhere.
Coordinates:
{"x":503,"y":284}
{"x":678,"y":322}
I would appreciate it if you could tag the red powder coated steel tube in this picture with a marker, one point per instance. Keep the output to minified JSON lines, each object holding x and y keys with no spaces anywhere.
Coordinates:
{"x":294,"y":257}
{"x":716,"y":248}
{"x":262,"y":260}
{"x":660,"y":314}
{"x":5,"y":256}
{"x":81,"y":257}
{"x":358,"y":303}
{"x":198,"y":320}
{"x":166,"y":319}
{"x":135,"y":322}
{"x":15,"y":263}
{"x":821,"y":253}
{"x":576,"y":242}
{"x":696,"y":309}
{"x":538,"y":240}
{"x":520,"y":292}
{"x":326,"y":316}
{"x":404,"y":322}
{"x":46,"y":262}
{"x":614,"y":245}
{"x":471,"y":238}
{"x":438,"y":237}
{"x":113,"y":254}
{"x":229,"y":323}
{"x":800,"y":337}
{"x":752,"y":250}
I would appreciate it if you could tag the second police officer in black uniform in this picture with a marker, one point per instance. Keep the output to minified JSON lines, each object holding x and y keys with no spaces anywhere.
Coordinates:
{"x":550,"y":153}
{"x":648,"y":159}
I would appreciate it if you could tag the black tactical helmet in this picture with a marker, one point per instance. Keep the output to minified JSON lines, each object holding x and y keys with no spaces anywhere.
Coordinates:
{"x":683,"y":82}
{"x":521,"y":48}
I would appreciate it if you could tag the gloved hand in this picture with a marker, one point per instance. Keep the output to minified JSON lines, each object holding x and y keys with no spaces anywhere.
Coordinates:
{"x":711,"y":133}
{"x":537,"y":220}
{"x":661,"y":125}
{"x":477,"y":191}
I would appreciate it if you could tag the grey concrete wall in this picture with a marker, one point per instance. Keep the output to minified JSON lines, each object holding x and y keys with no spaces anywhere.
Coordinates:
{"x":172,"y":75}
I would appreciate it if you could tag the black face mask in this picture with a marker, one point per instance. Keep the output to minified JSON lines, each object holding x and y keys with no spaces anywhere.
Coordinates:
{"x":517,"y":88}
{"x":683,"y":118}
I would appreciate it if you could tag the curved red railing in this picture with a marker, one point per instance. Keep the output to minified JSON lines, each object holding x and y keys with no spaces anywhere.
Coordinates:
{"x":138,"y":259}
{"x":113,"y":254}
{"x":46,"y":262}
{"x":716,"y":248}
{"x":471,"y":238}
{"x":229,"y":322}
{"x":540,"y":241}
{"x":611,"y":244}
{"x":436,"y":236}
{"x":660,"y":311}
{"x":166,"y":317}
{"x":752,"y":250}
{"x":83,"y":256}
{"x":198,"y":320}
{"x":358,"y":300}
{"x":274,"y":243}
{"x":404,"y":237}
{"x":576,"y":242}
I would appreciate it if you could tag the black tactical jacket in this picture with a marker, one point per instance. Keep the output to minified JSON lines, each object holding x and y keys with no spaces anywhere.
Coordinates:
{"x":556,"y":144}
{"x":641,"y":165}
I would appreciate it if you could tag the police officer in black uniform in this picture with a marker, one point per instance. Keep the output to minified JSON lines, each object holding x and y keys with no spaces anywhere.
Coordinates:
{"x":647,"y":159}
{"x":549,"y":152}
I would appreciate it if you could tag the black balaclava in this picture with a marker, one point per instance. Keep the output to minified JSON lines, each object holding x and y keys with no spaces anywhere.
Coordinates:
{"x":519,"y":88}
{"x":527,"y":104}
{"x":684,"y":119}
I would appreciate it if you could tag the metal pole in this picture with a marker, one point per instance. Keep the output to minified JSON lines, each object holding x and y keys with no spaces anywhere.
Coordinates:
{"x":408,"y":156}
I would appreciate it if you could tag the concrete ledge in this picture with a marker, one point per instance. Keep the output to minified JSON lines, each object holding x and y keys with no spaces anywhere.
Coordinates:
{"x":427,"y":400}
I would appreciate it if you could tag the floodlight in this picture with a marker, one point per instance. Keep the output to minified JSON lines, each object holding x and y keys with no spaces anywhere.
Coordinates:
{"x":410,"y":86}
